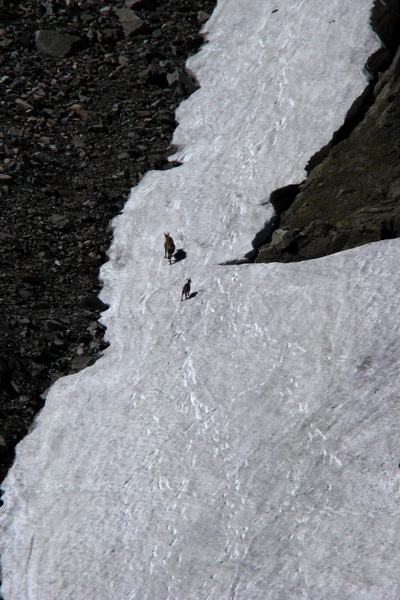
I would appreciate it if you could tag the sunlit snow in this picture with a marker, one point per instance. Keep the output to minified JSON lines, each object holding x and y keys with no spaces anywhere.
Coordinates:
{"x":241,"y":444}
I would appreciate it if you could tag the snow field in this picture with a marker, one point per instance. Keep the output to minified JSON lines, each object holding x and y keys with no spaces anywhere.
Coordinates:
{"x":240,"y":444}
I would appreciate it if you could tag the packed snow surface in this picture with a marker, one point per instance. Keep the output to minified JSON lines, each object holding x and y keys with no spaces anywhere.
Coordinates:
{"x":243,"y":443}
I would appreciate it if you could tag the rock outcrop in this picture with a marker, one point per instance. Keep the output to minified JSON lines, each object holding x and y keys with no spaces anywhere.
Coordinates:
{"x":352,"y":193}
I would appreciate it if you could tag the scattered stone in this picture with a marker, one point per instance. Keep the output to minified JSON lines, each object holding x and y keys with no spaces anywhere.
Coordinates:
{"x":81,"y":362}
{"x":99,"y":128}
{"x":53,"y":325}
{"x":77,"y":108}
{"x":181,"y":82}
{"x":282,"y":239}
{"x":93,"y":302}
{"x":123,"y":60}
{"x":6,"y":43}
{"x":130,"y":22}
{"x":48,"y":6}
{"x":78,"y":141}
{"x":202,"y":17}
{"x":107,"y":35}
{"x":25,"y":105}
{"x":59,"y":220}
{"x":5,"y":178}
{"x":53,"y":43}
{"x":30,"y":278}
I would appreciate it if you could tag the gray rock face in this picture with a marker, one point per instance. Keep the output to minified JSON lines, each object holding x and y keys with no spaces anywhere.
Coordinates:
{"x":55,"y":44}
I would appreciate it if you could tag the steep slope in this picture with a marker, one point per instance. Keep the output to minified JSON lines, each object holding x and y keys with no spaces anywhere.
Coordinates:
{"x":241,"y":443}
{"x":353,"y":196}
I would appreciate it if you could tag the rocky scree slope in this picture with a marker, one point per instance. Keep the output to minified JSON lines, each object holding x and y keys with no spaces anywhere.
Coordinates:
{"x":88,"y":93}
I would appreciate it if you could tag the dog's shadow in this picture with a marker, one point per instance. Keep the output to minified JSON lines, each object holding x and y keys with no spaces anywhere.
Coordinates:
{"x":192,"y":295}
{"x":180,"y":255}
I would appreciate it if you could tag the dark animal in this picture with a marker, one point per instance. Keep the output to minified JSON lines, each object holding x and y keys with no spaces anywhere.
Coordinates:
{"x":169,"y":247}
{"x":186,"y":290}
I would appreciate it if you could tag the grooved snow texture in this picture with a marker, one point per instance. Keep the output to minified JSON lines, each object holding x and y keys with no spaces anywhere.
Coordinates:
{"x":241,"y":443}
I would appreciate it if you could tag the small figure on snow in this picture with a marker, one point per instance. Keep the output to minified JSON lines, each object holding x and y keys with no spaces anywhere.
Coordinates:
{"x":169,"y":247}
{"x":186,"y":290}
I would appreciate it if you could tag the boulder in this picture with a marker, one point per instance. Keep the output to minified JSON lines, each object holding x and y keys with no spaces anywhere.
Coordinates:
{"x":181,"y":82}
{"x":202,"y":17}
{"x":55,"y":44}
{"x":281,"y":241}
{"x":130,"y":22}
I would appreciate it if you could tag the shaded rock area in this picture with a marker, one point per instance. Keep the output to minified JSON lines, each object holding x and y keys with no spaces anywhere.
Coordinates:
{"x":53,"y":43}
{"x":88,"y":93}
{"x":352,"y":193}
